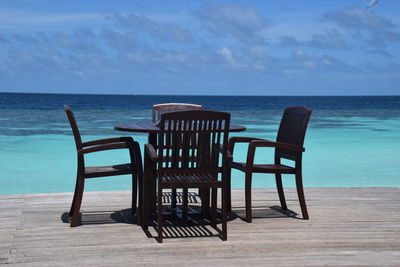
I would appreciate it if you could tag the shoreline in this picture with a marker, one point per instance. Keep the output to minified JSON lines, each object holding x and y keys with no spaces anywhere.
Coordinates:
{"x":233,"y":189}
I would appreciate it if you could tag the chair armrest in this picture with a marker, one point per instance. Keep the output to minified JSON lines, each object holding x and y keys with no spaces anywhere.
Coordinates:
{"x":267,"y":143}
{"x":239,"y":139}
{"x":107,"y":141}
{"x":151,"y":152}
{"x":111,"y":146}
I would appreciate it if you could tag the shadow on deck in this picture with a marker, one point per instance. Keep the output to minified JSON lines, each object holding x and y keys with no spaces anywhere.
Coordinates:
{"x":195,"y":225}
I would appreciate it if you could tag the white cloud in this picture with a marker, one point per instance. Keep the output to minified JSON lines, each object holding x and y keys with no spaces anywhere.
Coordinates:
{"x":14,"y":18}
{"x":162,"y":31}
{"x":240,"y":22}
{"x":309,"y":64}
{"x":369,"y":26}
{"x":228,"y":56}
{"x":331,"y":39}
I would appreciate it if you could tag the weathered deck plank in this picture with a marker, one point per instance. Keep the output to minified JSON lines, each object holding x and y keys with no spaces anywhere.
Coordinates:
{"x":347,"y":226}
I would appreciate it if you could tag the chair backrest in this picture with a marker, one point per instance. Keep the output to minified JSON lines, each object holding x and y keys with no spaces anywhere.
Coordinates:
{"x":74,"y":127}
{"x":292,"y":130}
{"x":192,"y":139}
{"x":159,"y":109}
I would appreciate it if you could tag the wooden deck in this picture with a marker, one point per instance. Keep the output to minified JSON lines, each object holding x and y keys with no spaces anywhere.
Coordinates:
{"x":347,"y":226}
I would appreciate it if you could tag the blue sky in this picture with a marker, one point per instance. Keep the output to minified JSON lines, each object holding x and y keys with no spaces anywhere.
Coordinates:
{"x":265,"y":47}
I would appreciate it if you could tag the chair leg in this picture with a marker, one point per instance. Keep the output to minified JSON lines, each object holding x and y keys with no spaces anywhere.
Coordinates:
{"x":248,"y":196}
{"x":278,"y":178}
{"x":185,"y":194}
{"x":134,"y":193}
{"x":228,"y":193}
{"x":205,"y":200}
{"x":137,"y":181}
{"x":139,"y":212}
{"x":146,"y":204}
{"x":173,"y":198}
{"x":146,"y":193}
{"x":71,"y":211}
{"x":300,"y":193}
{"x":159,"y":214}
{"x":214,"y":199}
{"x":224,"y":214}
{"x":78,"y":202}
{"x":150,"y":198}
{"x":154,"y":195}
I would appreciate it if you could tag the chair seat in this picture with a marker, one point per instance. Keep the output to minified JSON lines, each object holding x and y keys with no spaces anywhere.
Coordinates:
{"x":99,"y":171}
{"x":265,"y":168}
{"x":189,"y":180}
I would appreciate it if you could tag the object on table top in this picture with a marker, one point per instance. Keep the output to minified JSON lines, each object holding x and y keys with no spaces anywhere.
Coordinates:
{"x":159,"y":109}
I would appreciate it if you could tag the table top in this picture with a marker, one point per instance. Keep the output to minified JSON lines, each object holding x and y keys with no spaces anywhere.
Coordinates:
{"x":150,"y":127}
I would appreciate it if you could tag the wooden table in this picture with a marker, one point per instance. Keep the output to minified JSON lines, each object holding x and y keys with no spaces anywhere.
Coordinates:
{"x":152,"y":130}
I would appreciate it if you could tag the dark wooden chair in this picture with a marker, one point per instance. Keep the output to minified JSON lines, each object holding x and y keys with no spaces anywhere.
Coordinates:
{"x":191,"y":152}
{"x":159,"y":109}
{"x":288,"y":145}
{"x":84,"y":172}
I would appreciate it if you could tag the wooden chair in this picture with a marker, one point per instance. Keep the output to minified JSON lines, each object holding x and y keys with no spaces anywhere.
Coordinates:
{"x":159,"y":109}
{"x":84,"y":172}
{"x":288,"y":145}
{"x":187,"y":155}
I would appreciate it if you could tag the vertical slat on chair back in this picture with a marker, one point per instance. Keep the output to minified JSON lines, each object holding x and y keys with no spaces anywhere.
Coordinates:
{"x":191,"y":139}
{"x":159,"y":109}
{"x":292,"y":129}
{"x":74,"y":127}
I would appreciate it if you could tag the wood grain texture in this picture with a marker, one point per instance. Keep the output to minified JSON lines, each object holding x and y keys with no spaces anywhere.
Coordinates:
{"x":347,"y":226}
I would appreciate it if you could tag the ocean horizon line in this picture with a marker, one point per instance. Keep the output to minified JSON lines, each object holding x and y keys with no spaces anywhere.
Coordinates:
{"x":197,"y":95}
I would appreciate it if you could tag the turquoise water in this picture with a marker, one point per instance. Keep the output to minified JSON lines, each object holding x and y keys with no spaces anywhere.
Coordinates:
{"x":334,"y":158}
{"x":344,"y":148}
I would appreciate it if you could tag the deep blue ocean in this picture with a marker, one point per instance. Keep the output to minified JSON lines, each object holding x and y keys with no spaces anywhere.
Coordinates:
{"x":352,"y":141}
